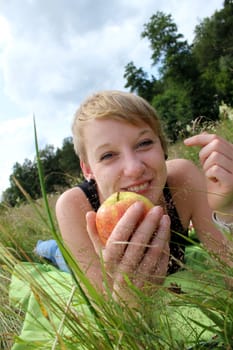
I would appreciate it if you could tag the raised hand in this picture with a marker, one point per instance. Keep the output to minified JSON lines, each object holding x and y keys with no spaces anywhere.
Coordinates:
{"x":216,"y":157}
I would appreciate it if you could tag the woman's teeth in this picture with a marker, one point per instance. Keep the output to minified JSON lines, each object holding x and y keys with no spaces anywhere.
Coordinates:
{"x":138,"y":188}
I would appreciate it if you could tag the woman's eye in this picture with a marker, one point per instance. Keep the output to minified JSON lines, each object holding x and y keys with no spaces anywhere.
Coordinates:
{"x":145,"y":143}
{"x":106,"y":156}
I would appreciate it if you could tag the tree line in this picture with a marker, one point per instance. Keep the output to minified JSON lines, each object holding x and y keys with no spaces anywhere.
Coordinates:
{"x":61,"y":169}
{"x":192,"y":80}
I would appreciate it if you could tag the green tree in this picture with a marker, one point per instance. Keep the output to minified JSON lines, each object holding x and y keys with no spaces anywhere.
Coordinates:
{"x":174,"y":109}
{"x":68,"y":160}
{"x":167,"y":46}
{"x":172,"y":56}
{"x":138,"y":81}
{"x":169,"y":50}
{"x":59,"y":166}
{"x":27,"y":175}
{"x":213,"y":50}
{"x":53,"y":175}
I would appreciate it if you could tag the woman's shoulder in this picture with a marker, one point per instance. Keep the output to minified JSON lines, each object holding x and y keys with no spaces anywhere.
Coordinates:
{"x":180,"y":163}
{"x":72,"y":199}
{"x":181,"y":171}
{"x":71,"y":193}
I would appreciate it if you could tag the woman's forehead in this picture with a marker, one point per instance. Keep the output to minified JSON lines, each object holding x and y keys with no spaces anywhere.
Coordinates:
{"x":111,"y":127}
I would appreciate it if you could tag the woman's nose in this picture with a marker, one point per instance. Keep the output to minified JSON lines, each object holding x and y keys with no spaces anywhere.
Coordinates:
{"x":133,"y":166}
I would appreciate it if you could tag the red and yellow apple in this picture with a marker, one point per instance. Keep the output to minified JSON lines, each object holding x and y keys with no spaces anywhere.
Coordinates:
{"x":113,"y":208}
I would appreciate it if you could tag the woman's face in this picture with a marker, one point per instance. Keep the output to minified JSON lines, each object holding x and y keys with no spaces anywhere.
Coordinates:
{"x":124,"y":157}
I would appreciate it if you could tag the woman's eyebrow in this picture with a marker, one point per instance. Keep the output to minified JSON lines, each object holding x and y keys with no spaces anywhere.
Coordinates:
{"x":144,"y":131}
{"x":99,"y":148}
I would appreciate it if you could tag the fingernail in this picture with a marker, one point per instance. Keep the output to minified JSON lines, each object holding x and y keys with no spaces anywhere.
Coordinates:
{"x":138,"y":204}
{"x":157,"y":210}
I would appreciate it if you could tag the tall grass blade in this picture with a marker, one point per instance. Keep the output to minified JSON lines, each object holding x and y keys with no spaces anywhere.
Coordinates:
{"x":77,"y":273}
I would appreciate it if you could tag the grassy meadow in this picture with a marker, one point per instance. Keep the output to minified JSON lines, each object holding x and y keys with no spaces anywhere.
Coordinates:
{"x":110,"y":325}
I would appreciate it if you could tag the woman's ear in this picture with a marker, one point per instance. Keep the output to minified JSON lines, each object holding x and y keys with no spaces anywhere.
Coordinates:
{"x":86,"y":170}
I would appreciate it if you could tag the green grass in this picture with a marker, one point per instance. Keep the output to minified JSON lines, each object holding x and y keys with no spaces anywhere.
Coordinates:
{"x":112,"y":324}
{"x":21,"y":227}
{"x":10,"y":318}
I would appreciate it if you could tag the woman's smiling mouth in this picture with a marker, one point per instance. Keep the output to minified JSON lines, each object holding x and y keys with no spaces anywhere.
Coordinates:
{"x":138,"y":188}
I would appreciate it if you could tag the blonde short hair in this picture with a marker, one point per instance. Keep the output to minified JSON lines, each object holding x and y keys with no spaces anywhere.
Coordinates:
{"x":118,"y":105}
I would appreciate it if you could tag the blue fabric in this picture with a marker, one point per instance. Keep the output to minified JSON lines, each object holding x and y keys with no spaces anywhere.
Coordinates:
{"x":49,"y":249}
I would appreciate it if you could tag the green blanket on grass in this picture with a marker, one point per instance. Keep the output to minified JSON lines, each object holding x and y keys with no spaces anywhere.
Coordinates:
{"x":187,"y":323}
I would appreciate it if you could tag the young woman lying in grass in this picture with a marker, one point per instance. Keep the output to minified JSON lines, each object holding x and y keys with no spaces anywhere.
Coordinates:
{"x":121,"y":147}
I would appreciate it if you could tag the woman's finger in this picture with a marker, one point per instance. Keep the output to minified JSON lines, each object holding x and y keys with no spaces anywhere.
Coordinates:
{"x":141,"y":239}
{"x":219,"y":160}
{"x":155,"y":261}
{"x":120,"y":236}
{"x":92,"y":232}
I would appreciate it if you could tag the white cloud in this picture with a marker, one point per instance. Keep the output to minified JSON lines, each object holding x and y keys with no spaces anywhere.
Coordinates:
{"x":50,"y":69}
{"x":4,"y":31}
{"x":16,"y":140}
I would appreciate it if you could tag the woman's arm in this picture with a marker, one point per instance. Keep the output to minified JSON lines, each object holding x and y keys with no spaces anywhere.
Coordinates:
{"x":71,"y":209}
{"x":189,"y":193}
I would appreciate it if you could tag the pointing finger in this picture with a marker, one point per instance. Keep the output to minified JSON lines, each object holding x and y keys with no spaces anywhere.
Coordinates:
{"x":199,"y":140}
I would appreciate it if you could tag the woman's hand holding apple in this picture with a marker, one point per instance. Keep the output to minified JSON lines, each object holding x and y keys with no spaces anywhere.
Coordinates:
{"x":137,"y":247}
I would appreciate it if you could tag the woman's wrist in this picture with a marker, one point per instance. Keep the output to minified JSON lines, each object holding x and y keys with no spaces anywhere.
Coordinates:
{"x":223,"y":221}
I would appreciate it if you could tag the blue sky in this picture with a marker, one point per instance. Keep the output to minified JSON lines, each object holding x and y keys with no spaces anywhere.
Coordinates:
{"x":54,"y":53}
